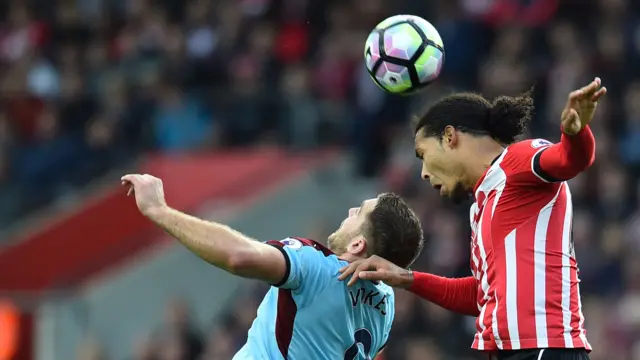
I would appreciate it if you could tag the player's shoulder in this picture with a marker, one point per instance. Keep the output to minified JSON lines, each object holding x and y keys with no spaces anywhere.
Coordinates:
{"x":518,"y":156}
{"x":299,"y":243}
{"x":527,"y":147}
{"x":307,"y":250}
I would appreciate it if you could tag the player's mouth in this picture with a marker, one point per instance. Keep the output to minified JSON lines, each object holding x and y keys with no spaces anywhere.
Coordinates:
{"x":437,"y":187}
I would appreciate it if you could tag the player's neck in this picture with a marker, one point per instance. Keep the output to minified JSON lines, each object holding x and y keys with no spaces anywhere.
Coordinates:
{"x":485,"y":151}
{"x":348,"y":257}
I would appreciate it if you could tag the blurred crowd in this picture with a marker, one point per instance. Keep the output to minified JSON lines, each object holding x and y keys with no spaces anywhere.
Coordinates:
{"x":88,"y":85}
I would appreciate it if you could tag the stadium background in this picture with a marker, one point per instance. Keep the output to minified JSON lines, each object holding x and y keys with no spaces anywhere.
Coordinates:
{"x":259,"y":113}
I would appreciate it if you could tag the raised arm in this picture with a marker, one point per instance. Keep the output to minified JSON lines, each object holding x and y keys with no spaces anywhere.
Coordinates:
{"x":576,"y":150}
{"x":457,"y":295}
{"x":222,"y":246}
{"x":215,"y":243}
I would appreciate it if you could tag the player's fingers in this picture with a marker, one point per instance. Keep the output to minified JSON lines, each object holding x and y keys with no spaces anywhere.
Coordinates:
{"x":354,"y":279}
{"x":573,"y":99}
{"x":356,"y":273}
{"x":592,"y":87}
{"x":129,"y":186}
{"x":347,"y":270}
{"x":373,"y":275}
{"x":132,"y":178}
{"x":601,"y":92}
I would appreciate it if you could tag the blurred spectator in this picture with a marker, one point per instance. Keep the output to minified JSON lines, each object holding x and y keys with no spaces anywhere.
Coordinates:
{"x":145,"y":349}
{"x":180,"y":123}
{"x":178,"y":339}
{"x":90,"y":349}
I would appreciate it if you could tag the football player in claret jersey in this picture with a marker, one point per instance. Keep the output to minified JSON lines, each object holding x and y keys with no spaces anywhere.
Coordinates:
{"x":524,"y":288}
{"x":308,"y":314}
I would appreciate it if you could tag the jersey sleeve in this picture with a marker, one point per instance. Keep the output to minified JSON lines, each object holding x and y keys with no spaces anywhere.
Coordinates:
{"x":458,"y":295}
{"x":522,"y":162}
{"x":538,"y":161}
{"x":307,"y":268}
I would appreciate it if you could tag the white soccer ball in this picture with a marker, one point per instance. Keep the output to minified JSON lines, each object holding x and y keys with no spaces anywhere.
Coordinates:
{"x":404,"y":53}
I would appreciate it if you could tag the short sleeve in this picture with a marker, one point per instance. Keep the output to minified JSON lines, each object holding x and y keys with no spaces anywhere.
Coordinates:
{"x":522,"y":162}
{"x":307,"y":268}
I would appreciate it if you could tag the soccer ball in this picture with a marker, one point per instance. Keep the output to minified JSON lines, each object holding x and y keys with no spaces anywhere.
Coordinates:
{"x":403,"y":54}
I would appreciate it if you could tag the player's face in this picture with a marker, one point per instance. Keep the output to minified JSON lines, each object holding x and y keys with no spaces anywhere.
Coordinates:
{"x":351,"y":227}
{"x":441,"y":166}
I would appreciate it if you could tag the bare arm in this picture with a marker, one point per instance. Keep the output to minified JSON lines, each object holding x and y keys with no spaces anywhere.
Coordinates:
{"x":223,"y":247}
{"x":576,"y":150}
{"x":215,"y":243}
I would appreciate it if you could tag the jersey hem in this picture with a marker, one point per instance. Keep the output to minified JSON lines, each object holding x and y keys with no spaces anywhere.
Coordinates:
{"x":525,"y":344}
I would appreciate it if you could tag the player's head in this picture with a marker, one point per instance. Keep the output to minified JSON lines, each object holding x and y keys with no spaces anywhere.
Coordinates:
{"x":451,"y":136}
{"x":384,"y":226}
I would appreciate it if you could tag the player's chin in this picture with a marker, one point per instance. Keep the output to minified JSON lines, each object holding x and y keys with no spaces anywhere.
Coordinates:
{"x":330,"y":239}
{"x":458,"y":197}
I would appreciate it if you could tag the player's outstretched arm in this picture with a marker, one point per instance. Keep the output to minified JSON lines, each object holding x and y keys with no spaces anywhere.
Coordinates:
{"x":576,"y":150}
{"x":457,"y":295}
{"x":215,"y":243}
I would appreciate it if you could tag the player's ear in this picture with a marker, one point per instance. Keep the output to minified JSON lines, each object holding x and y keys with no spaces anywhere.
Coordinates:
{"x":449,"y":137}
{"x":358,"y":246}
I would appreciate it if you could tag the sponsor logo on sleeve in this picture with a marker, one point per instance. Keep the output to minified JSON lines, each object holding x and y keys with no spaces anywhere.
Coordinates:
{"x":538,"y":143}
{"x":292,"y":243}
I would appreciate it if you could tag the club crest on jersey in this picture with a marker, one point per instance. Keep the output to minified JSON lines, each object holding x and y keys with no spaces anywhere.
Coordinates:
{"x":538,"y":143}
{"x":292,"y":243}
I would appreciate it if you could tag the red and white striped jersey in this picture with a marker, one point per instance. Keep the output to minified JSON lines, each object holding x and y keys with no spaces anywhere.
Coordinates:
{"x":522,"y":256}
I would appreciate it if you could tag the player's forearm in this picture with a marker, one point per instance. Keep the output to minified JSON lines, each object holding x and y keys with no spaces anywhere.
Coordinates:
{"x":215,"y":243}
{"x":569,"y":157}
{"x":457,"y":295}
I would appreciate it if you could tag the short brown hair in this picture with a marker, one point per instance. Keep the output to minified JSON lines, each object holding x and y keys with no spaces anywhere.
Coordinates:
{"x":394,"y":231}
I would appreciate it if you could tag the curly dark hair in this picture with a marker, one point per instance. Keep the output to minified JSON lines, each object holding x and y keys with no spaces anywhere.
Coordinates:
{"x":394,"y":231}
{"x":503,"y":119}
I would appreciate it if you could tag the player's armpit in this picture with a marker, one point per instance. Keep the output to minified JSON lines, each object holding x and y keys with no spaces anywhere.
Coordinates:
{"x":457,"y":295}
{"x":566,"y":159}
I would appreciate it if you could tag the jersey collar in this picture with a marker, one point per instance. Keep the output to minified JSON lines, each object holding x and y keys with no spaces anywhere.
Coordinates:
{"x":484,"y":175}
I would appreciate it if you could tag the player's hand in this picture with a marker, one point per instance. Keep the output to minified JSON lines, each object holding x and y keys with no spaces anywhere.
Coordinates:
{"x":148,"y":192}
{"x":376,"y":268}
{"x":581,"y":106}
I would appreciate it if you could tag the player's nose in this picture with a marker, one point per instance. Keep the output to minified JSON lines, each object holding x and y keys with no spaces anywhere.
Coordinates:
{"x":424,"y":172}
{"x":352,"y":211}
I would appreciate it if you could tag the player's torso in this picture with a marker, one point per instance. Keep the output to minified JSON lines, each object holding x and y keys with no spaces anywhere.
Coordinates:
{"x":339,"y":322}
{"x":344,"y":323}
{"x":534,"y":303}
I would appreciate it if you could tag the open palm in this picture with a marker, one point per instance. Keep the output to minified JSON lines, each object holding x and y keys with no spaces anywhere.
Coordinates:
{"x":581,"y":106}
